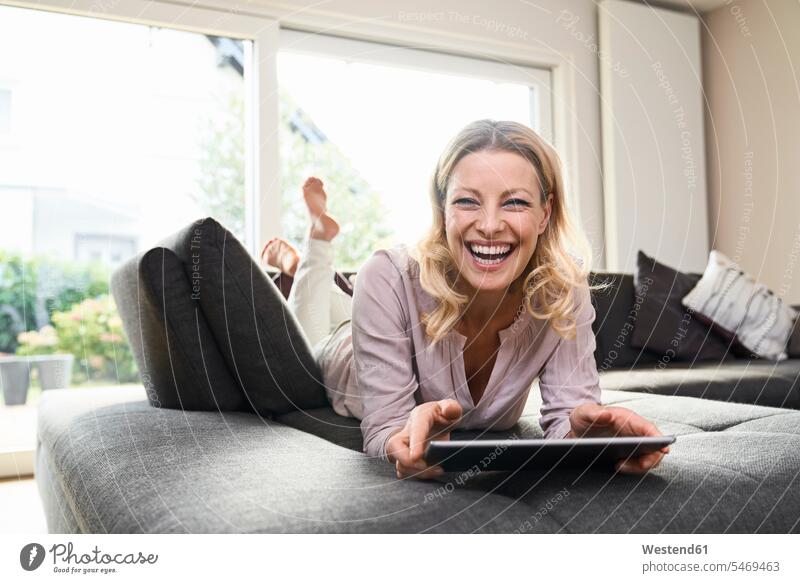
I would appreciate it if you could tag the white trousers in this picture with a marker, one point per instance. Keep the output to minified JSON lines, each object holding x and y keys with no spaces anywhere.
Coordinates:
{"x":316,"y":301}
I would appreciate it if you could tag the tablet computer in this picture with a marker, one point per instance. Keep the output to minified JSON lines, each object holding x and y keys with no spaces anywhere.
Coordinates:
{"x":538,"y":454}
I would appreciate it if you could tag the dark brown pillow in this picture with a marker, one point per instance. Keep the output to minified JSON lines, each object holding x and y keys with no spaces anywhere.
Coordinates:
{"x":664,"y":325}
{"x":345,"y":281}
{"x":615,"y":316}
{"x":793,"y":349}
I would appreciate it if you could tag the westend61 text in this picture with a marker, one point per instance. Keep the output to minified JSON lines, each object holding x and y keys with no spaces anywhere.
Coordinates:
{"x":675,"y":550}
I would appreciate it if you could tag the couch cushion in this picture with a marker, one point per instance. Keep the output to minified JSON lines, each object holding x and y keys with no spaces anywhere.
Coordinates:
{"x":260,"y":339}
{"x":742,"y":309}
{"x":731,"y":470}
{"x":664,"y":325}
{"x":177,"y":356}
{"x":757,"y":382}
{"x":793,"y":346}
{"x":346,"y":431}
{"x":710,"y":483}
{"x":324,"y":422}
{"x":615,"y":317}
{"x":112,"y":464}
{"x":107,"y":462}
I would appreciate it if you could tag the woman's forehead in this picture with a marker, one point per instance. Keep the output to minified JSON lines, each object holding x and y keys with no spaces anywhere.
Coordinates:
{"x":493,"y":171}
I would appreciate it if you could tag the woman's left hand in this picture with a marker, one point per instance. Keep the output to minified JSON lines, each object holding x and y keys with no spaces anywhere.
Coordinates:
{"x":593,"y":420}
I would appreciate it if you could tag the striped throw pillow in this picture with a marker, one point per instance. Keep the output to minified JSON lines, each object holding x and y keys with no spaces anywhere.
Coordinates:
{"x":738,"y":306}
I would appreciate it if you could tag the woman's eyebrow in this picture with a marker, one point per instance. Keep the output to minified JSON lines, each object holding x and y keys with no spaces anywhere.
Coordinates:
{"x":505,"y":193}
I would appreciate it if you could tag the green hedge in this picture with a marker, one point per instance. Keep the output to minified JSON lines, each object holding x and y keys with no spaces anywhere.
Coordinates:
{"x":55,"y":306}
{"x":92,"y":332}
{"x":32,"y":290}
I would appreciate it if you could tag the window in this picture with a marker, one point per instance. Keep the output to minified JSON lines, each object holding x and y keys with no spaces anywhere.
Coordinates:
{"x":126,"y":133}
{"x":5,"y":111}
{"x":110,"y":250}
{"x":371,"y":121}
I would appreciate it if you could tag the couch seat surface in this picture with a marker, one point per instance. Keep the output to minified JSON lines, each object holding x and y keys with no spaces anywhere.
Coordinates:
{"x":109,"y":462}
{"x":759,"y":382}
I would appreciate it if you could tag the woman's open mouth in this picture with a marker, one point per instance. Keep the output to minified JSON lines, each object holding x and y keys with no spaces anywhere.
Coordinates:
{"x":490,"y":257}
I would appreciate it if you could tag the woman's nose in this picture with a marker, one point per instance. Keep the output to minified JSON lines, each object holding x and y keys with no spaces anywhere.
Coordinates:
{"x":490,"y":221}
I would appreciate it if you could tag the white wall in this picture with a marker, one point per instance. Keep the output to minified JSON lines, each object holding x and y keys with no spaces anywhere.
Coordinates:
{"x":751,"y":57}
{"x":653,"y":137}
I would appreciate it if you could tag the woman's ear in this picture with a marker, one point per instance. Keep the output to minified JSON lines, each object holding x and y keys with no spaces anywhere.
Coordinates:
{"x":548,"y":208}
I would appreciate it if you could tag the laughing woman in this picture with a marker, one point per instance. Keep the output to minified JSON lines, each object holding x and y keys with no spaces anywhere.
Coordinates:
{"x":453,"y":333}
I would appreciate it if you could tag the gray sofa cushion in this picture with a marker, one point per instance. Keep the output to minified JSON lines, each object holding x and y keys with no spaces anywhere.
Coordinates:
{"x":616,"y":316}
{"x":107,"y":462}
{"x":178,"y":359}
{"x":260,"y":340}
{"x":664,"y":325}
{"x":793,"y":347}
{"x":110,"y":467}
{"x":758,"y":382}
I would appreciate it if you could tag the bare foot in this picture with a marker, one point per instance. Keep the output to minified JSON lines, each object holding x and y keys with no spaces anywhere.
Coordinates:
{"x":281,"y":254}
{"x":323,"y":226}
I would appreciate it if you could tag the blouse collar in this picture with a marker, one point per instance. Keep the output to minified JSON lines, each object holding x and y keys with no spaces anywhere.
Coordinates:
{"x":522,"y":320}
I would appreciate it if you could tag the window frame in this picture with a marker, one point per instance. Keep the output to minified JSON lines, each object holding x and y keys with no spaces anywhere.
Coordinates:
{"x":387,"y":54}
{"x":9,"y":138}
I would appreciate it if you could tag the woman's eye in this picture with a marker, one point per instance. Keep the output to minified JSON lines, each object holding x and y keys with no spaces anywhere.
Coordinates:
{"x":519,"y":202}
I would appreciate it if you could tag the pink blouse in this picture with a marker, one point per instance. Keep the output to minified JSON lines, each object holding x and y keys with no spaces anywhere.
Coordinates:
{"x":380,"y":365}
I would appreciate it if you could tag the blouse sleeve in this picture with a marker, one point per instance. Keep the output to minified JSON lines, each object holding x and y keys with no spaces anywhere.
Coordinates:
{"x":382,"y":350}
{"x":570,"y":376}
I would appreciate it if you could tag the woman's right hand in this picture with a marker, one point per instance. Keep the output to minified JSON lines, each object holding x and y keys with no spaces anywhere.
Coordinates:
{"x":428,"y":421}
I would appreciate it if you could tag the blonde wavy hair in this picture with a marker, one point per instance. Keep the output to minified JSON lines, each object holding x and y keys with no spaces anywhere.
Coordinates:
{"x":561,"y":262}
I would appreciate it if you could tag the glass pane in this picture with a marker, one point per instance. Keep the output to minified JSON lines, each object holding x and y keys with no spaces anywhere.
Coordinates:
{"x":373,"y":134}
{"x":116,"y":135}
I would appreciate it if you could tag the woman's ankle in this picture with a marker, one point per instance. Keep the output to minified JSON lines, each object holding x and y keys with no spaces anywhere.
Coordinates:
{"x":323,"y":228}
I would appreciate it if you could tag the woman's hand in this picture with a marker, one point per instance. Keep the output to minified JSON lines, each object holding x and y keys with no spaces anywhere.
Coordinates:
{"x":593,"y":420}
{"x":429,"y":421}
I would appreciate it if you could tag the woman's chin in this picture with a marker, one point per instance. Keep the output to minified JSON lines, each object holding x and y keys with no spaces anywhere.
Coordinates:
{"x":490,"y":283}
{"x":492,"y":278}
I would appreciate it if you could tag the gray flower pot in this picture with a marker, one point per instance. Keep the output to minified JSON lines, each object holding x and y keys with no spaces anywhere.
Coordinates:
{"x":15,"y":377}
{"x":55,"y":371}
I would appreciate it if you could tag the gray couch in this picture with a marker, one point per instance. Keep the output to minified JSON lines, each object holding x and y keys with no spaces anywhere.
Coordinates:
{"x":731,"y":379}
{"x":217,"y":440}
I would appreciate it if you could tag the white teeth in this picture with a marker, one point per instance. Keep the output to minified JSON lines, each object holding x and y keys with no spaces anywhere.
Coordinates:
{"x":493,"y":250}
{"x":489,"y":261}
